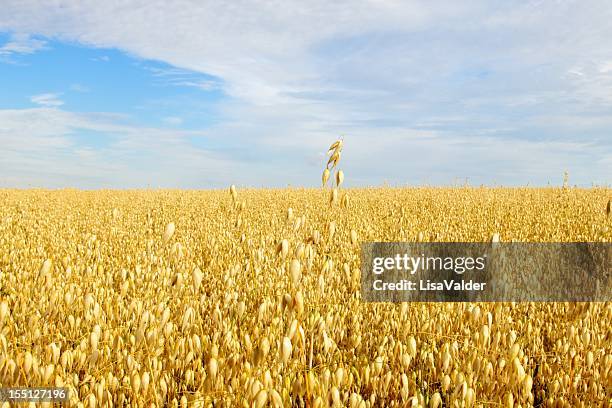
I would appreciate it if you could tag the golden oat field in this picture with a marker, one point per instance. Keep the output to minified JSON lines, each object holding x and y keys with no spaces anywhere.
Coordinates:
{"x":252,"y":298}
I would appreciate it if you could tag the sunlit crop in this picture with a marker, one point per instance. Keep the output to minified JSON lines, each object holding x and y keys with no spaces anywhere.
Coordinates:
{"x":251,"y":298}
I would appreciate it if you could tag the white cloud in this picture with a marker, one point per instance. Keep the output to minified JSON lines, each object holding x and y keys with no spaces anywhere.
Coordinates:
{"x":258,"y":48}
{"x":182,"y":77}
{"x":265,"y":53}
{"x":21,"y":44}
{"x":47,"y":100}
{"x":54,"y":148}
{"x":203,"y":85}
{"x":605,"y":67}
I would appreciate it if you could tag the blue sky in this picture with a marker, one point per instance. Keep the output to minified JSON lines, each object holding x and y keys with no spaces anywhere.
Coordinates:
{"x":85,"y":79}
{"x":201,"y":95}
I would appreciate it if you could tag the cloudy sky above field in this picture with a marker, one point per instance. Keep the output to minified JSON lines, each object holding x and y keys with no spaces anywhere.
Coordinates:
{"x":198,"y":94}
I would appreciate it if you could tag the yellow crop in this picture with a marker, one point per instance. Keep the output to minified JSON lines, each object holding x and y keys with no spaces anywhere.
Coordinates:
{"x":173,"y":298}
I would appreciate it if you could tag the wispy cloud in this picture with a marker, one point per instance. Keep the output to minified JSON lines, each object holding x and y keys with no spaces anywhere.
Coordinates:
{"x":55,"y":148}
{"x":183,"y":77}
{"x":79,"y":88}
{"x":47,"y":99}
{"x":173,"y":120}
{"x":21,"y":44}
{"x":101,"y":58}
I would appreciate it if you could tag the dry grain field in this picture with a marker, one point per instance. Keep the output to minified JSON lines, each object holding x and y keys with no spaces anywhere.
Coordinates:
{"x":251,"y":298}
